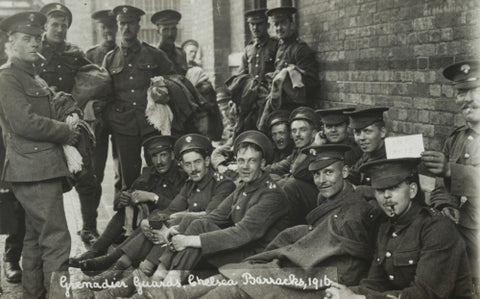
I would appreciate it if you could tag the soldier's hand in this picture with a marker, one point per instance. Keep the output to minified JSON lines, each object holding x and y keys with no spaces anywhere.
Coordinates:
{"x":73,"y":137}
{"x":339,"y":291}
{"x":172,"y":231}
{"x":180,"y":242}
{"x":139,"y":196}
{"x":72,"y":120}
{"x":124,"y":199}
{"x":436,"y":163}
{"x":145,"y":227}
{"x":452,"y":213}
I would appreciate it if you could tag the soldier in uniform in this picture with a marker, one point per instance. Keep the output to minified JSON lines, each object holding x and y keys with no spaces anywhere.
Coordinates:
{"x":203,"y":191}
{"x":340,"y":233}
{"x":293,"y":51}
{"x":458,"y":163}
{"x":296,"y":180}
{"x":131,"y":65}
{"x":16,"y":231}
{"x":158,"y":185}
{"x":335,"y":131}
{"x":257,"y":60}
{"x":34,"y":161}
{"x":419,"y":253}
{"x":242,"y":225}
{"x":166,"y":22}
{"x":278,"y":128}
{"x":369,"y":132}
{"x":107,"y":29}
{"x":190,"y":47}
{"x":63,"y":60}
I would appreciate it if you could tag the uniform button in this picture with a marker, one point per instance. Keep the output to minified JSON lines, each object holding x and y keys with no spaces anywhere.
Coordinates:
{"x":35,"y":148}
{"x":310,"y":227}
{"x":244,"y":193}
{"x":42,"y":64}
{"x":164,"y":185}
{"x":467,"y":155}
{"x":335,"y":216}
{"x":129,"y":65}
{"x":410,"y":262}
{"x":195,"y":204}
{"x":148,"y":66}
{"x":256,"y":65}
{"x":131,"y":77}
{"x":367,"y":179}
{"x":198,"y":190}
{"x":59,"y":66}
{"x":371,"y":216}
{"x":256,"y":76}
{"x":238,"y":208}
{"x":391,"y":277}
{"x":132,"y":91}
{"x":388,"y":254}
{"x":258,"y":55}
{"x":470,"y":137}
{"x":60,"y":78}
{"x":378,"y":259}
{"x":75,"y":59}
{"x":134,"y":103}
{"x":394,"y":235}
{"x":37,"y":93}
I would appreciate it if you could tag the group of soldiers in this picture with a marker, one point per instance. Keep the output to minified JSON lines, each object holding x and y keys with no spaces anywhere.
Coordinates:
{"x":291,"y":192}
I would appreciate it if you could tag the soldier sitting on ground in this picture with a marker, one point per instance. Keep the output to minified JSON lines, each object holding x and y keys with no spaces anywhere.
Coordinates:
{"x":419,"y":253}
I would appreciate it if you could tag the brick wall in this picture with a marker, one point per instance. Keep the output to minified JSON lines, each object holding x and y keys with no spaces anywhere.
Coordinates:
{"x":391,"y":53}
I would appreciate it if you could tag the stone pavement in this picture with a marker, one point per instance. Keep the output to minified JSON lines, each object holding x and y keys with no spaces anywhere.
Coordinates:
{"x":74,"y":220}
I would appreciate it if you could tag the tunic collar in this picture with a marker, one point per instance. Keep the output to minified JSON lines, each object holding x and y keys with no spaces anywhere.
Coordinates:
{"x":252,"y":186}
{"x":260,"y":42}
{"x":109,"y":45}
{"x":403,"y":221}
{"x":205,"y":180}
{"x":133,"y":48}
{"x":27,"y":67}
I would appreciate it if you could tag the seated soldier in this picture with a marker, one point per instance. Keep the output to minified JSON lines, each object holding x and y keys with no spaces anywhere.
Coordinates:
{"x":335,"y":131}
{"x":242,"y":225}
{"x":419,"y":253}
{"x":155,"y":187}
{"x":202,"y":192}
{"x":369,"y":132}
{"x":278,"y":128}
{"x":296,"y":180}
{"x":340,"y":233}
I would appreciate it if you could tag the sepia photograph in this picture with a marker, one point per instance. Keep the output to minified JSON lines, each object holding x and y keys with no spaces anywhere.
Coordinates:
{"x":259,"y":149}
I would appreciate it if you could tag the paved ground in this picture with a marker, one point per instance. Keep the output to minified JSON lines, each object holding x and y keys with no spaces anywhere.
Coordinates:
{"x":72,"y":210}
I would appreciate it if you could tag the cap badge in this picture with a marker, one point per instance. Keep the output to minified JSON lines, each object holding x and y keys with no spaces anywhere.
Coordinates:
{"x":58,"y":6}
{"x":465,"y":69}
{"x":188,"y":139}
{"x":313,"y":152}
{"x":125,"y":9}
{"x":110,"y":13}
{"x":31,"y":17}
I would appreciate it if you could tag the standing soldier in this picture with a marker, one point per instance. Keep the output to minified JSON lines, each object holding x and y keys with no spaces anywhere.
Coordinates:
{"x":16,"y":232}
{"x":166,"y":22}
{"x":107,"y":28}
{"x":62,"y":62}
{"x":131,"y":65}
{"x":249,"y":86}
{"x":293,"y":51}
{"x":35,"y":164}
{"x":458,"y":163}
